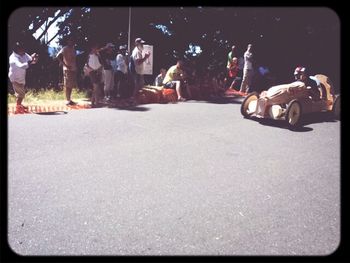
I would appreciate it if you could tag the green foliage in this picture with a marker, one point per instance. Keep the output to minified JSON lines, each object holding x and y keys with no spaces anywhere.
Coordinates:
{"x":34,"y":96}
{"x":282,"y":37}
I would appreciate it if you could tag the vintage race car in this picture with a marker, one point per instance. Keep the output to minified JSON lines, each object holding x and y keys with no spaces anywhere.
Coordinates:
{"x":289,"y":102}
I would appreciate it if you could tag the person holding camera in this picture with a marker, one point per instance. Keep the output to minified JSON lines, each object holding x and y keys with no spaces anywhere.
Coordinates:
{"x":19,"y":62}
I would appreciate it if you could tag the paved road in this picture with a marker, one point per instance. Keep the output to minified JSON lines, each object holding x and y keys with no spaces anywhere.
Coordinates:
{"x":180,"y":179}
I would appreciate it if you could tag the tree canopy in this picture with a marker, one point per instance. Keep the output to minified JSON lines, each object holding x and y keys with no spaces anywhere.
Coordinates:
{"x":282,"y":37}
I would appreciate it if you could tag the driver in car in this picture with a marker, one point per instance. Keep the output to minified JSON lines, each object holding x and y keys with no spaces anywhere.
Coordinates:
{"x":302,"y":87}
{"x":314,"y":86}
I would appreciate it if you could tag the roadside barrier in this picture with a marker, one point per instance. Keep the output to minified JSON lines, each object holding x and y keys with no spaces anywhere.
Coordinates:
{"x":11,"y":110}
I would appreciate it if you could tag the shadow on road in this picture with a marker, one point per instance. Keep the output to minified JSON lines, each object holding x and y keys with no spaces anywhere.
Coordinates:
{"x":318,"y":117}
{"x":222,"y":100}
{"x":283,"y":125}
{"x":52,"y":113}
{"x":130,"y":108}
{"x":308,"y":119}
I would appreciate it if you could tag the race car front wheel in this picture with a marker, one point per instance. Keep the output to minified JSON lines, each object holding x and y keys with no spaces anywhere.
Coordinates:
{"x":293,"y":113}
{"x":336,"y":107}
{"x":249,"y":104}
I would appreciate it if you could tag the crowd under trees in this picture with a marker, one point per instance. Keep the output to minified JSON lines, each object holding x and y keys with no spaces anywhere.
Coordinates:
{"x":282,"y":37}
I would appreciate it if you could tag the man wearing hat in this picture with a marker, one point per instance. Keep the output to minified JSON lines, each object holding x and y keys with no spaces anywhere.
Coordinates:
{"x":138,"y":59}
{"x":106,"y":54}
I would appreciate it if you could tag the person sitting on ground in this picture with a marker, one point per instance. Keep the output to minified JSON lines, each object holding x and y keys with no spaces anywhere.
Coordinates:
{"x":174,"y":79}
{"x":19,"y":62}
{"x":159,"y":79}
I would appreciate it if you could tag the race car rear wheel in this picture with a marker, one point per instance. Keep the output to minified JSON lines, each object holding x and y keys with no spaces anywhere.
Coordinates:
{"x":336,"y":107}
{"x":293,"y":113}
{"x":249,"y":104}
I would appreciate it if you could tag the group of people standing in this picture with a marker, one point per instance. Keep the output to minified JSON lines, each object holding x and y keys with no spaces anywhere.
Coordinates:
{"x":233,"y":69}
{"x":104,"y":69}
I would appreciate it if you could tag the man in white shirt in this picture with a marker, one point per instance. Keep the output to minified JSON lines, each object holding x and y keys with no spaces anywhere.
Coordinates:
{"x":67,"y":57}
{"x":121,"y":70}
{"x":247,"y":70}
{"x":107,"y":55}
{"x":138,"y":60}
{"x":19,"y":62}
{"x":95,"y":74}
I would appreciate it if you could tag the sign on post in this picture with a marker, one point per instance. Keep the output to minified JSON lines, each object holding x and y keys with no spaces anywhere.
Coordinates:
{"x":148,"y":64}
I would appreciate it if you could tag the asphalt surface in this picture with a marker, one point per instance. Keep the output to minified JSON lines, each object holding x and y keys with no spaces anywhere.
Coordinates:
{"x":191,"y":178}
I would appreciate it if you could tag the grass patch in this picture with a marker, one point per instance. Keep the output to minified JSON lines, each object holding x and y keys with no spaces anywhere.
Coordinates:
{"x":47,"y":95}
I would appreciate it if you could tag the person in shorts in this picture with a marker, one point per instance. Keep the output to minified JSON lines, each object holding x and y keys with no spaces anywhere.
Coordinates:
{"x":19,"y":62}
{"x":174,"y":79}
{"x":67,"y":57}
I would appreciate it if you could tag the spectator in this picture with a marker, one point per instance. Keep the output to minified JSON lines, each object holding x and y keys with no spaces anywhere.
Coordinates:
{"x":231,"y":55}
{"x":232,"y":67}
{"x":217,"y":84}
{"x":233,"y":73}
{"x":106,"y":55}
{"x":247,"y":70}
{"x":261,"y":79}
{"x":67,"y":57}
{"x":137,"y":67}
{"x":19,"y":62}
{"x":173,"y":79}
{"x":221,"y":80}
{"x":205,"y":84}
{"x":159,"y":79}
{"x":192,"y":81}
{"x":95,"y":73}
{"x":121,"y":69}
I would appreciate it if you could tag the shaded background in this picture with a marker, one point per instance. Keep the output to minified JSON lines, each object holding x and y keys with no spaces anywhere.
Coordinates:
{"x":283,"y":37}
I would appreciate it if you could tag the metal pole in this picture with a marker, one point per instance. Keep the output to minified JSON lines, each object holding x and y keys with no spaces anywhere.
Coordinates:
{"x":129,"y":30}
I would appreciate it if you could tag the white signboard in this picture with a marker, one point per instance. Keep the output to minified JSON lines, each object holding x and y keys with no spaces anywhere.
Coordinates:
{"x":148,"y":64}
